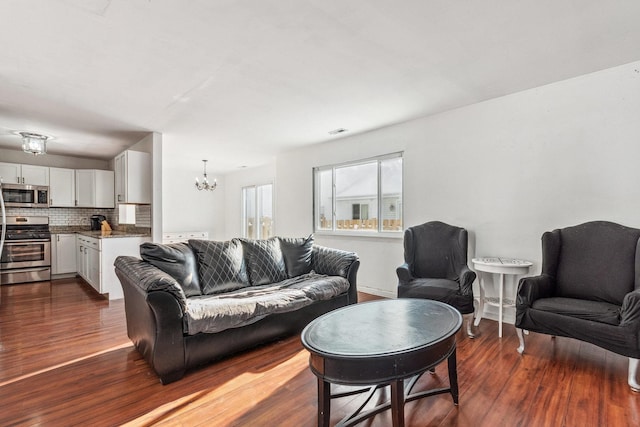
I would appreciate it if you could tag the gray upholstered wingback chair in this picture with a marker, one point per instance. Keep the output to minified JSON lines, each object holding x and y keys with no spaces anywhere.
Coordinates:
{"x":589,"y":290}
{"x":435,"y":267}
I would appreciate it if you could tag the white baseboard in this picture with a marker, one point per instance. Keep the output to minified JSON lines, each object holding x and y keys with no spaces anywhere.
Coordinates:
{"x":377,"y":292}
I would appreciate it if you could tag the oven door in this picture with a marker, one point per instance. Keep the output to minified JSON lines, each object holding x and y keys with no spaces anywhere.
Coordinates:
{"x":26,"y":253}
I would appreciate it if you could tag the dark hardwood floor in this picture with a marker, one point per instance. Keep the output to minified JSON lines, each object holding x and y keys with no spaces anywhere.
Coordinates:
{"x":65,"y":359}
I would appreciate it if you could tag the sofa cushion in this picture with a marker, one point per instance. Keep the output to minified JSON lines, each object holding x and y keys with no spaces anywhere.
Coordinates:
{"x":216,"y":313}
{"x":265,"y":263}
{"x":221,"y":265}
{"x":596,"y":311}
{"x":177,"y":260}
{"x":297,"y":254}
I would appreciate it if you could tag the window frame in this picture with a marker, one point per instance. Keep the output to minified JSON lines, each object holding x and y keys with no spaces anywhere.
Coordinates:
{"x":258,"y":205}
{"x":334,"y":230}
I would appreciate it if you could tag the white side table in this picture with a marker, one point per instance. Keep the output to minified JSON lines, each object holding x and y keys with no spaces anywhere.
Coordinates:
{"x":499,"y":266}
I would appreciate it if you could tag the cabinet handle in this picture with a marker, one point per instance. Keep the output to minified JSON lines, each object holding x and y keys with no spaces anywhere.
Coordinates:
{"x":119,"y":197}
{"x":50,"y":202}
{"x":80,"y":248}
{"x":23,"y":179}
{"x":58,"y":236}
{"x":18,"y":180}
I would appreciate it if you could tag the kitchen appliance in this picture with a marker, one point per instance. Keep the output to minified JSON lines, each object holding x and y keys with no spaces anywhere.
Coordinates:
{"x":25,"y":196}
{"x":26,"y":256}
{"x":2,"y":229}
{"x":96,"y":221}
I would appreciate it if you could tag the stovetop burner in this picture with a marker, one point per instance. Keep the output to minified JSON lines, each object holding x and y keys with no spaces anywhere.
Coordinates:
{"x":27,"y":228}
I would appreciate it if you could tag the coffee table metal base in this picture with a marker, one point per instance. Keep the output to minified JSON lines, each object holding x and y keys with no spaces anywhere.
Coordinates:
{"x":400,"y":394}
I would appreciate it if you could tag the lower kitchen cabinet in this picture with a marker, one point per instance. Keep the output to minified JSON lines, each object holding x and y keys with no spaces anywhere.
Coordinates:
{"x":63,"y":254}
{"x":95,"y":258}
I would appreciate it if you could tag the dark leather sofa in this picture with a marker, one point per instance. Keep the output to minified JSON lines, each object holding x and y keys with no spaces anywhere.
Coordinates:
{"x":182,"y":300}
{"x":589,"y":290}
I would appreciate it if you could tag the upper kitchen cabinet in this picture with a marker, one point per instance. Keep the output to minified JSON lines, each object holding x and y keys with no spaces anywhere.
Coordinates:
{"x":62,"y":187}
{"x":133,"y":177}
{"x":94,"y":188}
{"x":13,"y":173}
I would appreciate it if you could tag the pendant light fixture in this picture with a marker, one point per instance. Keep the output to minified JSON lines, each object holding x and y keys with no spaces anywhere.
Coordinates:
{"x":34,"y":143}
{"x":205,"y":183}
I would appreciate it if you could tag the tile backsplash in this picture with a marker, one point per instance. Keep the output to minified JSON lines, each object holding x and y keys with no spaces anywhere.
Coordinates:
{"x":80,"y":216}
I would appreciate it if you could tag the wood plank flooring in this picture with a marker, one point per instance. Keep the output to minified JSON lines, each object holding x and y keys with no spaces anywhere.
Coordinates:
{"x":65,"y":360}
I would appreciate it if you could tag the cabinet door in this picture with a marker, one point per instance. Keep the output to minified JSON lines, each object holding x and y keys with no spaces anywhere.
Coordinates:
{"x":64,"y":247}
{"x":10,"y":173}
{"x":93,"y":261}
{"x":138,"y":177}
{"x":35,"y":175}
{"x":103,"y":189}
{"x":85,"y":188}
{"x":80,"y":258}
{"x":119,"y":164}
{"x":62,"y":187}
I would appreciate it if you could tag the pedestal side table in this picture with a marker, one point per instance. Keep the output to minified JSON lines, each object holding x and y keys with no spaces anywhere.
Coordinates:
{"x":501,"y":266}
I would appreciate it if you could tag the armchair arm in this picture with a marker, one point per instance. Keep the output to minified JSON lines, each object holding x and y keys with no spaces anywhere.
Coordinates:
{"x":404,"y":274}
{"x":533,"y":288}
{"x":630,"y":311}
{"x":467,"y":276}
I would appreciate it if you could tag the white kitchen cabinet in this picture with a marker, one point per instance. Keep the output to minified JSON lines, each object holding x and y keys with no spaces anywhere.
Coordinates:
{"x":88,"y":256}
{"x":96,"y":258}
{"x":14,"y":173}
{"x":133,"y":177}
{"x":63,"y":253}
{"x":94,"y":188}
{"x":184,"y":236}
{"x":62,"y":187}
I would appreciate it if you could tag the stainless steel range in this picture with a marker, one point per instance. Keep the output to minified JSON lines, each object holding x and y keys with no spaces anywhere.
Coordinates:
{"x":27,"y":250}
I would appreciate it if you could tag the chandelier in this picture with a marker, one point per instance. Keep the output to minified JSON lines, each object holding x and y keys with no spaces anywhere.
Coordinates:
{"x":34,"y":143}
{"x":205,"y":183}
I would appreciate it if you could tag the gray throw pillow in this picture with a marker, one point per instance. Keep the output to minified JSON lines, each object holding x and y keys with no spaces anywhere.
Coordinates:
{"x":177,"y":260}
{"x":264,"y":261}
{"x":297,"y":254}
{"x":220,"y":265}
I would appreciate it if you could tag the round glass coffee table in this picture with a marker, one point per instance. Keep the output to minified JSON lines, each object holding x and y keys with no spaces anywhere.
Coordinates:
{"x":381,"y":343}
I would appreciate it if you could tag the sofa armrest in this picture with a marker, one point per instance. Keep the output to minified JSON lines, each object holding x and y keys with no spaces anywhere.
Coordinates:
{"x":336,"y":262}
{"x":404,"y":274}
{"x":148,"y":278}
{"x":533,"y":288}
{"x":467,"y":276}
{"x":332,"y":262}
{"x":630,"y":311}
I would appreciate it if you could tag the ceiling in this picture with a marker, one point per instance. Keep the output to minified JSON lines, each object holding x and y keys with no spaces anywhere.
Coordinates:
{"x":238,"y":81}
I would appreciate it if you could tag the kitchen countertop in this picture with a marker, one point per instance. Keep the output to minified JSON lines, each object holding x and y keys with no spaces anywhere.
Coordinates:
{"x":99,"y":234}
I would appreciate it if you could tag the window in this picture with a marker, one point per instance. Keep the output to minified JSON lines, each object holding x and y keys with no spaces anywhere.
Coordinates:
{"x":257,"y":211}
{"x":364,"y":196}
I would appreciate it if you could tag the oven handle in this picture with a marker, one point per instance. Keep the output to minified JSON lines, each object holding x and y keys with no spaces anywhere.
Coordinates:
{"x":17,"y":242}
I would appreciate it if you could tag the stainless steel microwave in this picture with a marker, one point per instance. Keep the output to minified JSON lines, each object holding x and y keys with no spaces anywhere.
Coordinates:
{"x":25,"y":196}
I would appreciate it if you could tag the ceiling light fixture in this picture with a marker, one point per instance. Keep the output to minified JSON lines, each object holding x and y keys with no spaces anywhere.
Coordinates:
{"x":205,"y":183}
{"x":34,"y":143}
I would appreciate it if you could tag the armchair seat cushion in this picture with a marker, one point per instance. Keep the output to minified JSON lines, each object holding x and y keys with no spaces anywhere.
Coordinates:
{"x":444,"y":290}
{"x":596,"y":311}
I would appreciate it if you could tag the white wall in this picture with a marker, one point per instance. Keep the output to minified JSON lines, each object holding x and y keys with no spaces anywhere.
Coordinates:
{"x":507,"y":170}
{"x":184,"y":208}
{"x":52,"y":160}
{"x":233,"y":196}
